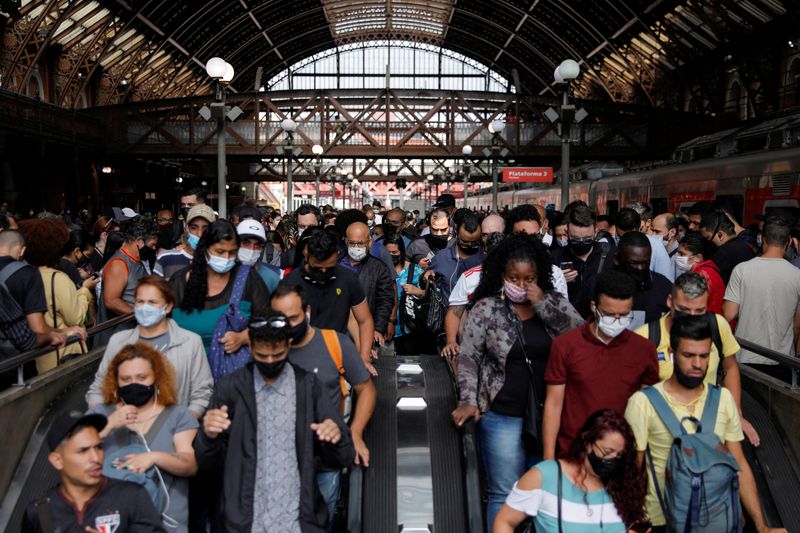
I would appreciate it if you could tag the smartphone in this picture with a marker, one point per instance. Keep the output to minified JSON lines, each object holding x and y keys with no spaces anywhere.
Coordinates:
{"x":641,"y":527}
{"x":566,"y":265}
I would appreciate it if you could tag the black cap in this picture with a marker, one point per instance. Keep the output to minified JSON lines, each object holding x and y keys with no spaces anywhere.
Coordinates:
{"x":445,"y":201}
{"x":66,"y":422}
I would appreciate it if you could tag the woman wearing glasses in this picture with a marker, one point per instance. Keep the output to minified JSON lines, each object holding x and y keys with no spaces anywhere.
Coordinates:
{"x":503,"y":353}
{"x":597,"y":486}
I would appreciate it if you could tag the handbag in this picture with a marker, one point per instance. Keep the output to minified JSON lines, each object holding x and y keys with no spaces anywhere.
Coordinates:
{"x":222,"y":363}
{"x":532,"y":418}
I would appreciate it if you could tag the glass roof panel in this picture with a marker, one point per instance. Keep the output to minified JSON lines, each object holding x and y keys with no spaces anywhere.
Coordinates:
{"x":407,"y":19}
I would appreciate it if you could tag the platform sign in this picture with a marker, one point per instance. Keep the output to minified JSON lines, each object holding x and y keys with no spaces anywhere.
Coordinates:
{"x":528,"y":174}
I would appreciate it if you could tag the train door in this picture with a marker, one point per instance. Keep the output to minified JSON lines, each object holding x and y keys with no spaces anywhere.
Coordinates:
{"x":733,"y":203}
{"x":612,"y":208}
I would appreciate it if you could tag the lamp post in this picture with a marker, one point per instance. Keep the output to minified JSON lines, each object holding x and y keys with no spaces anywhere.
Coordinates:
{"x":466,"y":151}
{"x":317,"y":150}
{"x":430,"y":189}
{"x":495,"y":128}
{"x":288,"y":125}
{"x":349,"y":183}
{"x":567,"y":71}
{"x":222,"y":72}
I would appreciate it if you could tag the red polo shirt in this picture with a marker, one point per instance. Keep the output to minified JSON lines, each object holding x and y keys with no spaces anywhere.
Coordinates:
{"x":597,"y":375}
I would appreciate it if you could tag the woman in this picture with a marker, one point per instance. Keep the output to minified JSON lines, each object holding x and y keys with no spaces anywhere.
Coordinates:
{"x":403,"y":342}
{"x":147,"y":433}
{"x":602,"y":488}
{"x":67,"y":306}
{"x":76,"y":254}
{"x":212,"y":281}
{"x":503,"y":353}
{"x":691,"y":257}
{"x":154,"y":302}
{"x":100,"y":231}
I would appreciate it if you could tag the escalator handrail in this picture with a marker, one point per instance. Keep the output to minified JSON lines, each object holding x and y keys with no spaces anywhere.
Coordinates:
{"x":791,"y":362}
{"x":17,"y":361}
{"x":472,"y":477}
{"x":355,"y":499}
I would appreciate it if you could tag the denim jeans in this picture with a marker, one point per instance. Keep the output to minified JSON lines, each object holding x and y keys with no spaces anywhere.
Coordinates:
{"x":504,"y":458}
{"x":329,"y":483}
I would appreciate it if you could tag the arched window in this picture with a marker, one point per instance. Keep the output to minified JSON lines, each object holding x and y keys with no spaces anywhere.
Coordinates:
{"x":410,"y":65}
{"x":35,"y":88}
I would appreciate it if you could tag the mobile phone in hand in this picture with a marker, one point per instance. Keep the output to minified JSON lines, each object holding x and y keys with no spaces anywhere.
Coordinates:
{"x":566,"y":265}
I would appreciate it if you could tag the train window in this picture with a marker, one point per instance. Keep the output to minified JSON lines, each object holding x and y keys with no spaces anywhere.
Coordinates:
{"x":733,"y":203}
{"x":659,"y":205}
{"x":612,"y":208}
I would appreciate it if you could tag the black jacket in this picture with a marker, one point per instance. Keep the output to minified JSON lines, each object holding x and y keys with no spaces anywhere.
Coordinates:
{"x":236,"y":450}
{"x":122,"y":505}
{"x":581,"y":291}
{"x":381,"y":291}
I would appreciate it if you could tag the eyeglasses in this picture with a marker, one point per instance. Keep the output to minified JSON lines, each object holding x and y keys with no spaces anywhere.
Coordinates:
{"x":578,"y":240}
{"x":348,"y":242}
{"x":273,"y":322}
{"x":624,"y":320}
{"x":165,"y":219}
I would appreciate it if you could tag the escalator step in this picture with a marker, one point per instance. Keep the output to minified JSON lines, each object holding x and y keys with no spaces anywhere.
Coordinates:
{"x":445,"y":447}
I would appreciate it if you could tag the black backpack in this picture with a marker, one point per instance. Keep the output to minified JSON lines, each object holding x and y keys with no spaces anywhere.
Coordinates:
{"x":422,"y":314}
{"x":654,"y":334}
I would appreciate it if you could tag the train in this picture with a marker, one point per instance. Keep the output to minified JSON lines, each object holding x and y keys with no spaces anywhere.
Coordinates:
{"x":750,"y":184}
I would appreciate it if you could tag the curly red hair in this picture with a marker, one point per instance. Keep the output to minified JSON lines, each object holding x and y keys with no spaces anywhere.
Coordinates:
{"x":45,"y":239}
{"x":162,"y":369}
{"x":628,"y":488}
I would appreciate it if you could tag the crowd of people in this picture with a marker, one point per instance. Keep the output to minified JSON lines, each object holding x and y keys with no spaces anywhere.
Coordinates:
{"x":583,"y":344}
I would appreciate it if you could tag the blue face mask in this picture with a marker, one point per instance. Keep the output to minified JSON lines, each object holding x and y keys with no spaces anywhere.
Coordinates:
{"x":193,"y":240}
{"x":219,"y":264}
{"x":149,"y":315}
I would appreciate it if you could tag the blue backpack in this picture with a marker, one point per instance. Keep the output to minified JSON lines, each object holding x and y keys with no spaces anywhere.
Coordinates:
{"x":701,"y":492}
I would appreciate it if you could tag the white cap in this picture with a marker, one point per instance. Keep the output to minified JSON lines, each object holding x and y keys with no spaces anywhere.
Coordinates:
{"x":251,"y":228}
{"x":124,"y":214}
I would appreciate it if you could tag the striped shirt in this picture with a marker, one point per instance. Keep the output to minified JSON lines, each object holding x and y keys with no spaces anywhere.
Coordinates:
{"x":581,"y":512}
{"x":170,"y":262}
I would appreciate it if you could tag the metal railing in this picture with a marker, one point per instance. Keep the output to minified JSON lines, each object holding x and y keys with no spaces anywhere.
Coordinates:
{"x":782,"y":359}
{"x":19,"y":361}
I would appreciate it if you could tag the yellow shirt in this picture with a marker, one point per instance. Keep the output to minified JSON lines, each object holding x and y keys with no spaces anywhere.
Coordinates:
{"x":729,"y":346}
{"x":649,"y":430}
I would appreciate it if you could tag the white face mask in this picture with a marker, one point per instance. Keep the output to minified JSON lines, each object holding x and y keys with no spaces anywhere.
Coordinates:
{"x":356,"y":254}
{"x":611,"y":326}
{"x":562,"y":242}
{"x":682,"y":263}
{"x":248,"y":257}
{"x":547,"y":239}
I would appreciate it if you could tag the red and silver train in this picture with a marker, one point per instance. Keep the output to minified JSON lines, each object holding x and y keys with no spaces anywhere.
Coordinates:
{"x":752,"y":184}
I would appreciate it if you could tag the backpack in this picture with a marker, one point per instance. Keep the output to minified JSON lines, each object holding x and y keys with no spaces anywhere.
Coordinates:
{"x":13,"y":310}
{"x":411,"y":307}
{"x":335,"y":350}
{"x":701,"y":492}
{"x":654,"y":334}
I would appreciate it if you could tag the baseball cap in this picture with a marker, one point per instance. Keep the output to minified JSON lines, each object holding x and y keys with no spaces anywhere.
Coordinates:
{"x":445,"y":201}
{"x":123,"y":214}
{"x":202,"y":211}
{"x":67,"y":421}
{"x":251,"y":228}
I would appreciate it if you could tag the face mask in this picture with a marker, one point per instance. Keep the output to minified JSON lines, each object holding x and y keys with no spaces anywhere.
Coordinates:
{"x":580,"y":248}
{"x":547,"y":239}
{"x":185,"y":212}
{"x":469,"y":249}
{"x":758,"y":241}
{"x":316,"y":276}
{"x":665,"y":240}
{"x":690,"y":382}
{"x":296,"y":333}
{"x":149,"y":315}
{"x":611,"y":327}
{"x":356,"y":253}
{"x":136,"y":394}
{"x":682,"y":263}
{"x":562,"y":242}
{"x":82,"y":261}
{"x":396,"y":260}
{"x":605,"y":468}
{"x":514,"y":292}
{"x":220,"y":265}
{"x":436,"y":242}
{"x":271,"y":370}
{"x":192,"y":240}
{"x":248,"y":257}
{"x":639,"y":276}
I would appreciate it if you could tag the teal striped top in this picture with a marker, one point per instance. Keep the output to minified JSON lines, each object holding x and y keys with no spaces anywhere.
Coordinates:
{"x":581,"y":512}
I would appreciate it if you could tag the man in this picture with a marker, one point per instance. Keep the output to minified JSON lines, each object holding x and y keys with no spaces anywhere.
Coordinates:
{"x":628,"y":220}
{"x":685,"y":392}
{"x":665,"y":227}
{"x":652,"y":289}
{"x":198,"y":219}
{"x":423,"y":249}
{"x":86,"y":500}
{"x":447,"y":202}
{"x":696,"y":212}
{"x":167,"y":230}
{"x":461,"y":254}
{"x":596,"y":366}
{"x":334,"y":292}
{"x":192,"y":198}
{"x":645,"y":213}
{"x":583,"y":258}
{"x":375,"y":278}
{"x":307,"y":216}
{"x":310,"y":351}
{"x":252,"y":240}
{"x":558,"y":221}
{"x":269,"y":427}
{"x":731,"y":250}
{"x":689,"y":297}
{"x":397,"y":219}
{"x":764,"y":297}
{"x":605,"y":223}
{"x":121,"y":274}
{"x":547,"y":237}
{"x":244,"y":212}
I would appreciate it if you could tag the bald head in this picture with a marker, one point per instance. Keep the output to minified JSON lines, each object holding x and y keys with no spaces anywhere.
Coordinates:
{"x":357,"y":232}
{"x":493,"y":224}
{"x":12,"y":243}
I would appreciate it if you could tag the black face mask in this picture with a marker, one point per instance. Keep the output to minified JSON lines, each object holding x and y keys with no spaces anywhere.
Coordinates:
{"x":319,"y":277}
{"x":605,"y":468}
{"x":296,"y":333}
{"x":136,"y":393}
{"x":690,"y":382}
{"x":580,"y":248}
{"x":396,"y":259}
{"x":679,"y":314}
{"x":469,"y":249}
{"x":184,"y":212}
{"x":641,"y":277}
{"x":82,"y":261}
{"x":436,"y":242}
{"x":271,"y":370}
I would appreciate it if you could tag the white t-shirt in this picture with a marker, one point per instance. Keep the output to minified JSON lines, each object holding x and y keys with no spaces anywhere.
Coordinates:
{"x":768,"y":293}
{"x":468,"y":282}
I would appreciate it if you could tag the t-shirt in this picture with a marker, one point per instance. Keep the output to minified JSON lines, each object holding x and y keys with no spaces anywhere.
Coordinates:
{"x":170,"y":262}
{"x":649,"y":430}
{"x":597,"y":375}
{"x":768,"y":293}
{"x":315,"y":358}
{"x":649,"y":304}
{"x":665,"y":363}
{"x":26,"y":287}
{"x":159,"y":342}
{"x":730,"y":254}
{"x":331,"y":304}
{"x":581,"y":512}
